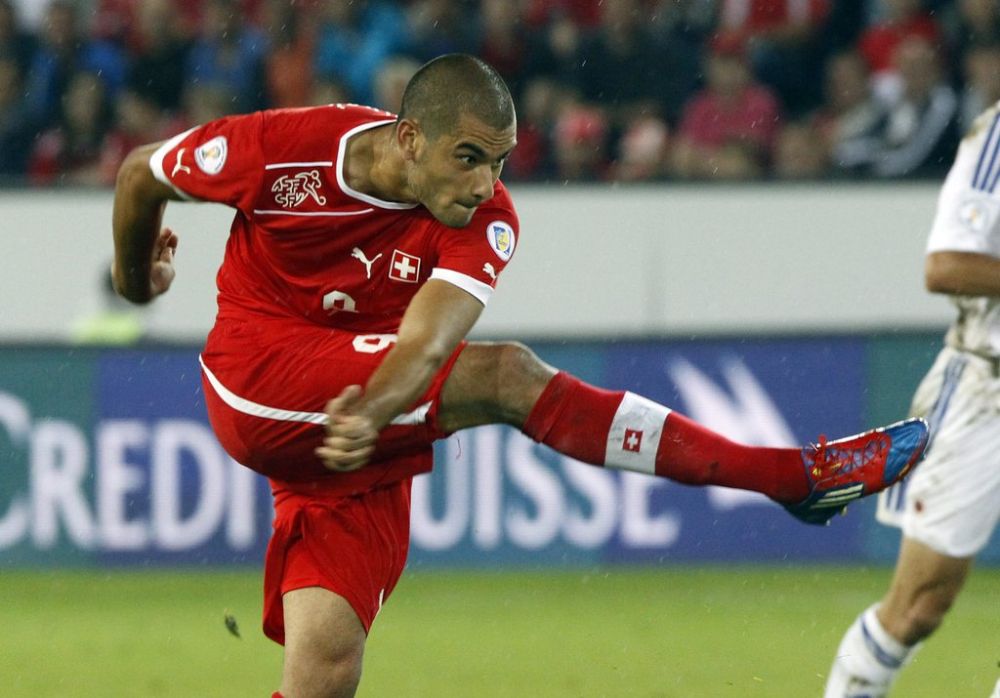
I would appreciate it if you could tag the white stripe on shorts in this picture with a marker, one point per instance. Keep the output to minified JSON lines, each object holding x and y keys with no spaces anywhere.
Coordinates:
{"x":635,"y":434}
{"x":255,"y":409}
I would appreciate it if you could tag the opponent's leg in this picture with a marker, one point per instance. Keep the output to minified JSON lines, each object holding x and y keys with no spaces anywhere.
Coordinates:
{"x":507,"y":383}
{"x":882,"y":639}
{"x":324,"y":645}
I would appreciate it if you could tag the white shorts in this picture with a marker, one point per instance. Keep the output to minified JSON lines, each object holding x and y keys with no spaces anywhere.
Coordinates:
{"x":951,"y":502}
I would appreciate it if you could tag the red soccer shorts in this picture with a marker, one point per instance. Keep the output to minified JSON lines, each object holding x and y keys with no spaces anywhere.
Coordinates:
{"x":266,"y":385}
{"x":354,"y":546}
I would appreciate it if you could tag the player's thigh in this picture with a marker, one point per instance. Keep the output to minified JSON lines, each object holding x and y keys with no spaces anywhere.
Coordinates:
{"x":324,"y":644}
{"x":267,"y":407}
{"x":492,"y":382}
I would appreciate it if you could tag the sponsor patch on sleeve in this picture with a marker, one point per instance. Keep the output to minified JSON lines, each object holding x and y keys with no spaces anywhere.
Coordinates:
{"x":501,"y":238}
{"x":211,"y":155}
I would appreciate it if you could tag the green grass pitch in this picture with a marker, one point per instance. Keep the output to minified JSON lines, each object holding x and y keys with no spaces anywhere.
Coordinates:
{"x":674,"y":631}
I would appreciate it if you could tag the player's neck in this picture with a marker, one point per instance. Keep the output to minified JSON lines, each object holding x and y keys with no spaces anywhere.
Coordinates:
{"x":372,"y":166}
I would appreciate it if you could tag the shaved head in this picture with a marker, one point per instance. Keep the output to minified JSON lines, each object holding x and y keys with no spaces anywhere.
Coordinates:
{"x":450,"y":86}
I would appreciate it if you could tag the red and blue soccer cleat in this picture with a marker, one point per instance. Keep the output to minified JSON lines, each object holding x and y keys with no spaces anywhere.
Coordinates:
{"x":857,"y":466}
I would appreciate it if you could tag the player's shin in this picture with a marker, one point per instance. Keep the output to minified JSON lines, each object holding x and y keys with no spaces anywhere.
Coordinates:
{"x":619,"y":429}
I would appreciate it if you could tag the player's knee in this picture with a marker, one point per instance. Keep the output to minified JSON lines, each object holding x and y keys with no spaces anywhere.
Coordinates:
{"x":323,"y":677}
{"x":521,"y":377}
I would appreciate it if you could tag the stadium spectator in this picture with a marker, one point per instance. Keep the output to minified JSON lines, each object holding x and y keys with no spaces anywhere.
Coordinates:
{"x":642,"y":151}
{"x":355,"y":39}
{"x":850,"y":112}
{"x":981,"y":73}
{"x":580,"y":144}
{"x":65,"y":50}
{"x":16,"y":131}
{"x":506,"y":43}
{"x":437,"y":27}
{"x":680,"y":29}
{"x":878,"y":42}
{"x":289,"y":63}
{"x":972,"y":23}
{"x":229,"y":52}
{"x":328,"y":91}
{"x":391,"y":80}
{"x":950,"y":508}
{"x":800,"y":152}
{"x":341,"y":468}
{"x":159,"y":64}
{"x":540,"y":106}
{"x":70,"y":153}
{"x":784,"y":52}
{"x":729,"y":126}
{"x":844,"y":24}
{"x":114,"y":322}
{"x":138,"y":121}
{"x":920,"y":132}
{"x":204,"y":102}
{"x":619,"y":66}
{"x":555,"y":48}
{"x":585,"y":14}
{"x":15,"y":43}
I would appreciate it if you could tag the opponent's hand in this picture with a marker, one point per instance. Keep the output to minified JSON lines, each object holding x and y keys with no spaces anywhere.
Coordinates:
{"x":350,"y":438}
{"x":161,"y":273}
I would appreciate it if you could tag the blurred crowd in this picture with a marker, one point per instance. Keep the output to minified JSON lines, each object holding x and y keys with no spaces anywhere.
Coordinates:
{"x":607,"y":90}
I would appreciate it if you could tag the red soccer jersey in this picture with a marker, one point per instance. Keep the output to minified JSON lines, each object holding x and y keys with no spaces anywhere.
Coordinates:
{"x":303,"y":244}
{"x":305,"y":253}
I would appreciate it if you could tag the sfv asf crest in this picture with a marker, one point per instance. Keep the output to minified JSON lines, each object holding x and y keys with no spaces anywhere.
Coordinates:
{"x":290,"y":191}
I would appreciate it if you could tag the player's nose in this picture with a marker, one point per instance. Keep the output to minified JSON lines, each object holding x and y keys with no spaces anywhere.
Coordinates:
{"x":482,"y":187}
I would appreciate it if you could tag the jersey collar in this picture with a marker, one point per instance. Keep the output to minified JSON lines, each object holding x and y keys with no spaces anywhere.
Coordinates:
{"x":341,"y":156}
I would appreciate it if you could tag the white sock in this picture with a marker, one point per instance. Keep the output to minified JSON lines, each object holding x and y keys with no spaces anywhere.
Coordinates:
{"x":867,"y":661}
{"x":996,"y":690}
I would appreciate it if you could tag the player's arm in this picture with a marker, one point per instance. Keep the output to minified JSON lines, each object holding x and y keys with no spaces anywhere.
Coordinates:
{"x":437,"y":319}
{"x":143,"y":262}
{"x":963,"y":273}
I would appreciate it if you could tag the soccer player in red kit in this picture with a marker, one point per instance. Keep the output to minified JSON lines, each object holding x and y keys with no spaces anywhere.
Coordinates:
{"x":363,"y":249}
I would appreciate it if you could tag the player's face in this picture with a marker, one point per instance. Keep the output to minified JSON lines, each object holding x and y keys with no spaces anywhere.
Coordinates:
{"x":455,"y":173}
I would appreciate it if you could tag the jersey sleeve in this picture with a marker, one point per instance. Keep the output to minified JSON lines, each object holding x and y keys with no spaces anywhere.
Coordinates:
{"x":221,"y":161}
{"x":473,"y":257}
{"x":968,"y":210}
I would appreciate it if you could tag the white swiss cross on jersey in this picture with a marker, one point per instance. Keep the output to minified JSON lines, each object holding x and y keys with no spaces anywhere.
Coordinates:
{"x":304,"y":244}
{"x":404,"y":267}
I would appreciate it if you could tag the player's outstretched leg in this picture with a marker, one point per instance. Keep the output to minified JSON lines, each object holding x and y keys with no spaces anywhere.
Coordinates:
{"x":507,"y":383}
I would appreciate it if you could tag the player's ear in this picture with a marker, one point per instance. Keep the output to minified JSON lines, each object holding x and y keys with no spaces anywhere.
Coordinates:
{"x":409,"y":138}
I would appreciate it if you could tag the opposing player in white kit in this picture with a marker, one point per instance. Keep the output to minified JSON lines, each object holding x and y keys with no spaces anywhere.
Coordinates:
{"x":950,"y":507}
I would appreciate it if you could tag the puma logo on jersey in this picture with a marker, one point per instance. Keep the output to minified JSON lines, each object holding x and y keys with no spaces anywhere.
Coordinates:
{"x":289,"y":192}
{"x":178,"y":167}
{"x":490,"y":271}
{"x":359,"y":255}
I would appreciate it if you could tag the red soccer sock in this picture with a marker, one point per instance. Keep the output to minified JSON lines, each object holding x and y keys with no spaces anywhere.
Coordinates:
{"x":623,"y":430}
{"x":277,"y":694}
